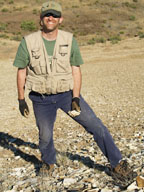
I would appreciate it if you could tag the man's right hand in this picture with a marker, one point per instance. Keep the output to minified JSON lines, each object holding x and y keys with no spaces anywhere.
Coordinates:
{"x":23,"y":107}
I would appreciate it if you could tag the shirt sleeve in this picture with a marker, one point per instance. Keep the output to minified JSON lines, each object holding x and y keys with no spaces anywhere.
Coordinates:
{"x":22,"y":56}
{"x":76,"y":58}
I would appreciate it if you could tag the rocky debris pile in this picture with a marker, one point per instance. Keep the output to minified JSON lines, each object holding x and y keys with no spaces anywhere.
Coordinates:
{"x":79,"y":167}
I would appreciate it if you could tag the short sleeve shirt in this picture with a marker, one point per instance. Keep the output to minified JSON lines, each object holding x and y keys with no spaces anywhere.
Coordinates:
{"x":22,"y":58}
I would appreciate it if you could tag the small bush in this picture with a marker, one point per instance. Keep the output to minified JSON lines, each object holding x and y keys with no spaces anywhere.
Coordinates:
{"x":132,"y":18}
{"x":141,"y":35}
{"x":17,"y":8}
{"x":75,"y":6}
{"x":130,"y":5}
{"x":135,"y":1}
{"x":4,"y":10}
{"x":92,"y":41}
{"x":35,"y":11}
{"x":4,"y":36}
{"x":121,"y":32}
{"x":11,"y":2}
{"x":133,"y":6}
{"x":16,"y":38}
{"x":115,"y":39}
{"x":3,"y":26}
{"x":28,"y":25}
{"x":101,"y":40}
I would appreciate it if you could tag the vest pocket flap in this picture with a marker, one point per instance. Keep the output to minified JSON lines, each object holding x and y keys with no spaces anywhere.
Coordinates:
{"x":38,"y":67}
{"x":36,"y":86}
{"x":36,"y":53}
{"x":64,"y":85}
{"x":63,"y":50}
{"x":63,"y":66}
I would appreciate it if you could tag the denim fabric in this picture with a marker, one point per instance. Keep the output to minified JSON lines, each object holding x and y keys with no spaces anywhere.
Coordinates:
{"x":45,"y":109}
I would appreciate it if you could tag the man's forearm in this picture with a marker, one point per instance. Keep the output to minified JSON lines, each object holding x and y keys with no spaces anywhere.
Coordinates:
{"x":21,"y":78}
{"x":76,"y":72}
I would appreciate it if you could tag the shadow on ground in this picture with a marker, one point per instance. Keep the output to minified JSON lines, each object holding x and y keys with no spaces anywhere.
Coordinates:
{"x":12,"y":143}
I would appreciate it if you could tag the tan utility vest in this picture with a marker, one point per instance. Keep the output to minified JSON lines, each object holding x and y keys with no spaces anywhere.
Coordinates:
{"x":46,"y":74}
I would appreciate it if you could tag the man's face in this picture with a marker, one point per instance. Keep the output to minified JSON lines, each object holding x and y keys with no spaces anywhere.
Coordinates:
{"x":50,"y":23}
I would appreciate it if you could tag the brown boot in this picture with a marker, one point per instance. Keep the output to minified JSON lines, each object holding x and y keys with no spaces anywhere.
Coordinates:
{"x":46,"y":170}
{"x":123,"y":175}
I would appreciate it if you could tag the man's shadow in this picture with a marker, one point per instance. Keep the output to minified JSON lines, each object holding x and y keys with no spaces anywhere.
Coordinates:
{"x":8,"y":142}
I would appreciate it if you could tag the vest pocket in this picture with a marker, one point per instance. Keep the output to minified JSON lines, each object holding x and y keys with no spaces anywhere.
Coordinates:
{"x":35,"y":66}
{"x":63,"y":85}
{"x":35,"y":86}
{"x":38,"y":67}
{"x":63,"y":66}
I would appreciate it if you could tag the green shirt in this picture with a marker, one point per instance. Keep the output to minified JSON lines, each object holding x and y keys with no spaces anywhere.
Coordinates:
{"x":22,"y":58}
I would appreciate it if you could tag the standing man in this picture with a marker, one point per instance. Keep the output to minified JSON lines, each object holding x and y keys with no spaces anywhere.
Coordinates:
{"x":48,"y":64}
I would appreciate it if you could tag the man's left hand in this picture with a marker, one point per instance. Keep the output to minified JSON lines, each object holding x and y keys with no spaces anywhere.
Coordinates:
{"x":75,"y":104}
{"x":75,"y":107}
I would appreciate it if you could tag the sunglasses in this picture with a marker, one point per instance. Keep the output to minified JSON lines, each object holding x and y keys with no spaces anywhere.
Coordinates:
{"x":52,"y":14}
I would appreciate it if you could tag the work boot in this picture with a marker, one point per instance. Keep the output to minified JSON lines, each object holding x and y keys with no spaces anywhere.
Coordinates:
{"x":46,"y":170}
{"x":123,"y":175}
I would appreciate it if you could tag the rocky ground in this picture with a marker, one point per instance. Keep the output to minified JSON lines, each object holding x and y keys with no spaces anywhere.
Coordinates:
{"x":113,"y":79}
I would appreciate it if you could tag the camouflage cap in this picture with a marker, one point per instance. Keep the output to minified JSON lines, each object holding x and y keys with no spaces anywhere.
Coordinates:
{"x":51,"y":7}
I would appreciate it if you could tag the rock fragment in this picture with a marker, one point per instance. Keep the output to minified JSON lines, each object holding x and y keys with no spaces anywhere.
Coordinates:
{"x":140,"y":181}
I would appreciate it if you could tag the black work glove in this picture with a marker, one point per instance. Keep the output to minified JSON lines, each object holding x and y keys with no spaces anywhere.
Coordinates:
{"x":76,"y":110}
{"x":75,"y":104}
{"x":23,"y":107}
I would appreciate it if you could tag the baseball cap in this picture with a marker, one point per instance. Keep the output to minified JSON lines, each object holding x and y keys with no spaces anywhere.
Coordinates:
{"x":51,"y":7}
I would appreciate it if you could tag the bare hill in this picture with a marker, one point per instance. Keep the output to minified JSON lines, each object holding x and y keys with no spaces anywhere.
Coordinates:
{"x":90,"y":21}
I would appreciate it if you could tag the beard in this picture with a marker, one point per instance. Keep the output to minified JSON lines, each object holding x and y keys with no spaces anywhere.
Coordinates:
{"x":47,"y":28}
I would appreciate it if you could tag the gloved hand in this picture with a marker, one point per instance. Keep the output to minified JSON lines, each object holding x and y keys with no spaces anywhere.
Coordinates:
{"x":75,"y":104}
{"x":75,"y":107}
{"x":23,"y":107}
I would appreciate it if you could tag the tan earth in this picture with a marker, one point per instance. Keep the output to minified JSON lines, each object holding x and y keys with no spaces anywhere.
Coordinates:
{"x":113,"y":85}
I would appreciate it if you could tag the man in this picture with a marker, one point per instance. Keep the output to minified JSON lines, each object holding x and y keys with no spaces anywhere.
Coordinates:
{"x":48,"y":64}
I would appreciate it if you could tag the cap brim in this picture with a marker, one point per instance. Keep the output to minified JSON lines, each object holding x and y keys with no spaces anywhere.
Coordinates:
{"x":57,"y":13}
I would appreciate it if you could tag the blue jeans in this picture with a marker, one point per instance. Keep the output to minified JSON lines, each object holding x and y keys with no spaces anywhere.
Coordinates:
{"x":45,"y":109}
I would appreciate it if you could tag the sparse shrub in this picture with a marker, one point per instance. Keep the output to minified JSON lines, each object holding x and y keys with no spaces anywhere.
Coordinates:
{"x":28,"y":25}
{"x":133,"y":6}
{"x":121,"y":32}
{"x":104,"y":21}
{"x":17,"y":8}
{"x":101,"y":40}
{"x":130,"y":5}
{"x":114,"y":5}
{"x":115,"y":39}
{"x":4,"y":36}
{"x":75,"y":6}
{"x":127,"y":4}
{"x":132,"y":18}
{"x":16,"y":38}
{"x":92,"y":41}
{"x":3,"y":26}
{"x":4,"y":10}
{"x":35,"y":11}
{"x":135,"y":1}
{"x":11,"y":2}
{"x":141,"y":35}
{"x":96,"y":2}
